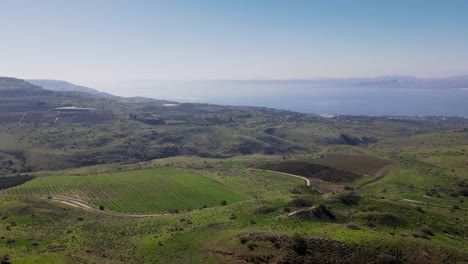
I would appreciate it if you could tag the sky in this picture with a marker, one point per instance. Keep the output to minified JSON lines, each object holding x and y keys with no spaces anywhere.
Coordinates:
{"x":94,"y":42}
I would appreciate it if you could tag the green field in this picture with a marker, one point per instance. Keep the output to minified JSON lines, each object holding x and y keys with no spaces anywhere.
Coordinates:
{"x":157,"y":190}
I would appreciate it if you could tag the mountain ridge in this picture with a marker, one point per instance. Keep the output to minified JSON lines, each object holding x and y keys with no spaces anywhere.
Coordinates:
{"x":65,"y":86}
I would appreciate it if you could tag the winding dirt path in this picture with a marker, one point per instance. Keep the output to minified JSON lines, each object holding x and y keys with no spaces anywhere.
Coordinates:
{"x":292,"y":175}
{"x":438,"y":205}
{"x":80,"y":204}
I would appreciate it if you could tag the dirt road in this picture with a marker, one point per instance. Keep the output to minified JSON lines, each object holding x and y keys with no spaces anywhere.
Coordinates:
{"x":292,"y":175}
{"x":80,"y":204}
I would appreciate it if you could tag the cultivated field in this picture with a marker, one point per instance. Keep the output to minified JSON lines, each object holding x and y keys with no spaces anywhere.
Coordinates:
{"x":158,"y":190}
{"x":314,"y":171}
{"x":146,"y":191}
{"x":360,"y":164}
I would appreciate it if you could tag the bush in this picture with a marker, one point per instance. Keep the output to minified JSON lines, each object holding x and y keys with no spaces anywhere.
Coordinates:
{"x":386,"y":219}
{"x":299,"y":244}
{"x":349,"y":198}
{"x":300,"y":202}
{"x":418,"y":208}
{"x":232,"y":216}
{"x":426,"y":230}
{"x":321,"y":211}
{"x":252,"y":246}
{"x":352,"y":226}
{"x":388,"y":259}
{"x":5,"y":259}
{"x":263,"y":209}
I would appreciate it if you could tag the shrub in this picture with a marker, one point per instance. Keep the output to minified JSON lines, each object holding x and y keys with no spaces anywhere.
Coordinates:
{"x":419,"y":208}
{"x":232,"y":216}
{"x":349,"y":198}
{"x":244,"y":240}
{"x":352,"y":226}
{"x":252,"y":246}
{"x":263,"y":209}
{"x":300,"y":202}
{"x":386,"y":219}
{"x":295,"y":191}
{"x":426,"y":230}
{"x":5,"y":259}
{"x":299,"y":244}
{"x":388,"y":259}
{"x":321,"y":211}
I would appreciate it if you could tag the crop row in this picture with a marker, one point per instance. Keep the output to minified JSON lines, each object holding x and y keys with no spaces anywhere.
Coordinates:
{"x":131,"y":192}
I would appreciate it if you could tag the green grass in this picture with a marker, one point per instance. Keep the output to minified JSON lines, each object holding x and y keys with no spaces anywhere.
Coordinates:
{"x":97,"y":238}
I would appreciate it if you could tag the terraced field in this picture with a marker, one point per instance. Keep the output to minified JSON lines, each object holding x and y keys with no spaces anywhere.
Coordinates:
{"x":143,"y":191}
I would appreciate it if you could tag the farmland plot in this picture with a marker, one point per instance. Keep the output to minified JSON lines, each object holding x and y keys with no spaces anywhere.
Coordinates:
{"x":142,"y":191}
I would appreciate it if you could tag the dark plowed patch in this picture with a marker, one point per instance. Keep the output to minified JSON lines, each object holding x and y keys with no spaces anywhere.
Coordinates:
{"x":8,"y":182}
{"x":358,"y":164}
{"x":310,"y":170}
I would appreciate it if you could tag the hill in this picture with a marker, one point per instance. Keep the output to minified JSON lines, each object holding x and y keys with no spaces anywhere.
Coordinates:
{"x":116,"y":180}
{"x":9,"y":84}
{"x":63,"y":86}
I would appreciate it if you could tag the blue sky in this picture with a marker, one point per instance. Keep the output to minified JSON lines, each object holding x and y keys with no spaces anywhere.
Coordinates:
{"x":91,"y":42}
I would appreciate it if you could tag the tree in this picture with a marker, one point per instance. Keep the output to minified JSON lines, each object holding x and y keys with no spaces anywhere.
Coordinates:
{"x":101,"y":207}
{"x":223,"y":202}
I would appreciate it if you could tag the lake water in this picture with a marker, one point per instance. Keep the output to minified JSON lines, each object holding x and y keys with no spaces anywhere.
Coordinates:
{"x":361,"y":102}
{"x":308,"y":99}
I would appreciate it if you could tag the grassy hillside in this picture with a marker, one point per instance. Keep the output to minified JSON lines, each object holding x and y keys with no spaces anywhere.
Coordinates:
{"x":392,"y":189}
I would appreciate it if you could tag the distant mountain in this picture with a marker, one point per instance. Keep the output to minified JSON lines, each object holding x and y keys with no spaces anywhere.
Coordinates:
{"x":12,"y":84}
{"x":63,"y":86}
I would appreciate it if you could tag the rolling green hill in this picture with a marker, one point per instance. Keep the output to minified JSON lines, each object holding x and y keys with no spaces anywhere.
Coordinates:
{"x":200,"y":183}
